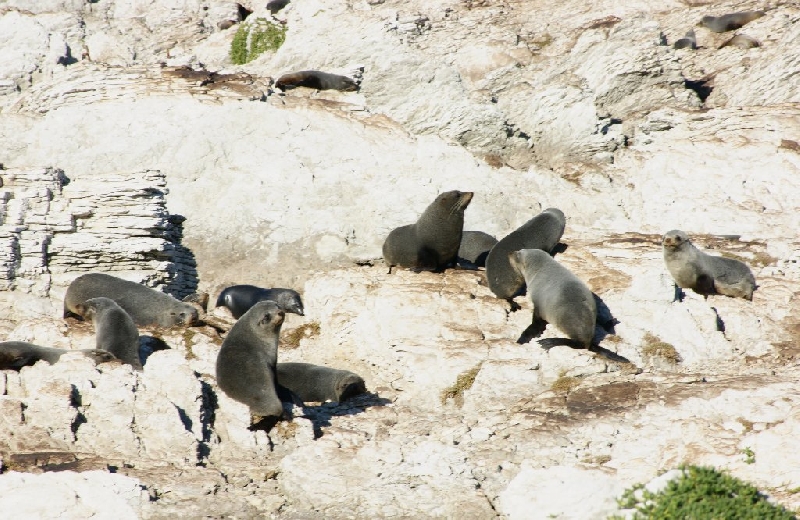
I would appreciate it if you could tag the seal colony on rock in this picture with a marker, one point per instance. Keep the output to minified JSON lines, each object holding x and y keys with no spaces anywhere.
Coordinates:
{"x":474,"y":248}
{"x":541,"y":232}
{"x":146,"y":306}
{"x":703,"y":273}
{"x":558,"y":296}
{"x":246,"y":361}
{"x":318,"y":383}
{"x":432,"y":242}
{"x":730,"y":22}
{"x":17,"y":354}
{"x":317,"y":80}
{"x":114,"y":329}
{"x":239,"y":298}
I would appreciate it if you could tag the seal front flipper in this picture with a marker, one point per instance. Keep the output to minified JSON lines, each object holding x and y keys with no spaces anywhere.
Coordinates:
{"x":534,"y":330}
{"x":287,"y":396}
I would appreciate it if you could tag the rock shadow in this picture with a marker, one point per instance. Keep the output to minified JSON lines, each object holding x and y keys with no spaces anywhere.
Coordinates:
{"x":148,"y":345}
{"x":182,"y":267}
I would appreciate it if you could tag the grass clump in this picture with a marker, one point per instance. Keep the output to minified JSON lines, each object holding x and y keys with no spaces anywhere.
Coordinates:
{"x":255,"y":38}
{"x":463,"y":383}
{"x":653,"y":347}
{"x":565,"y":384}
{"x":702,"y":492}
{"x":291,"y":339}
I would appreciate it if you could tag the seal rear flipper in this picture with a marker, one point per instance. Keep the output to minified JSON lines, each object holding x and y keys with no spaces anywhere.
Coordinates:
{"x":549,"y":343}
{"x":613,"y":356}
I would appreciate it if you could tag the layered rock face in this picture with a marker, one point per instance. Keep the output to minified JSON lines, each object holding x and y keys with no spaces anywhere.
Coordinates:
{"x":132,"y":145}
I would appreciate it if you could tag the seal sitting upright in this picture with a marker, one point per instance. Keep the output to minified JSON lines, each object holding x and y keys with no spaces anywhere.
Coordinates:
{"x":114,"y":330}
{"x":239,"y":298}
{"x":703,"y":273}
{"x":145,"y":305}
{"x":558,"y":296}
{"x":432,"y":242}
{"x":246,"y":361}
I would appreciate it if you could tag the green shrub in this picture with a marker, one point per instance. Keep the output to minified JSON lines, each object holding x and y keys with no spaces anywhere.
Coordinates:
{"x":254,"y":38}
{"x":702,"y":493}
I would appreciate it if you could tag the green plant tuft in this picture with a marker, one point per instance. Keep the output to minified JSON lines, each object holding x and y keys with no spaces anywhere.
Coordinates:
{"x":463,"y":382}
{"x":702,"y":492}
{"x":254,"y":38}
{"x":749,"y":456}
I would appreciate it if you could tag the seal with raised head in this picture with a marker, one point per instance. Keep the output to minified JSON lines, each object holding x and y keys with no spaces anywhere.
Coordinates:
{"x":687,"y":42}
{"x":246,"y":361}
{"x":146,"y":306}
{"x":319,"y":383}
{"x":17,"y":354}
{"x":474,"y":248}
{"x":703,"y":273}
{"x":239,"y":298}
{"x":541,"y":232}
{"x":317,"y":80}
{"x":114,"y":329}
{"x":730,"y":22}
{"x":432,"y":242}
{"x":558,"y":296}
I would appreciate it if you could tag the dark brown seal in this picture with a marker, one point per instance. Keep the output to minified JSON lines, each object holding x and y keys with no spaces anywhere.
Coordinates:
{"x":703,"y":273}
{"x":146,"y":306}
{"x":730,"y":22}
{"x":318,"y":383}
{"x":246,"y":361}
{"x":17,"y":354}
{"x":432,"y":242}
{"x":239,"y":298}
{"x":317,"y":80}
{"x":541,"y":232}
{"x":114,"y":329}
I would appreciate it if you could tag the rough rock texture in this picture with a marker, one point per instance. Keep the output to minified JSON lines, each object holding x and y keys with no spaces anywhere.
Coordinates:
{"x":108,"y":142}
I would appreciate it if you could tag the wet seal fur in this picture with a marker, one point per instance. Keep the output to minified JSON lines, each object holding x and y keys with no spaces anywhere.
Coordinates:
{"x":558,"y":296}
{"x":317,"y":80}
{"x":703,"y":273}
{"x":239,"y":298}
{"x":146,"y":306}
{"x":541,"y":232}
{"x":114,"y":329}
{"x":319,"y":383}
{"x":246,"y":361}
{"x":474,"y":248}
{"x":17,"y":354}
{"x":730,"y":22}
{"x":432,"y":242}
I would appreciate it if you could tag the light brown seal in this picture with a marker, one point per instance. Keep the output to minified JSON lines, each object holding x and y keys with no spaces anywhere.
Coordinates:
{"x":703,"y":273}
{"x":432,"y":242}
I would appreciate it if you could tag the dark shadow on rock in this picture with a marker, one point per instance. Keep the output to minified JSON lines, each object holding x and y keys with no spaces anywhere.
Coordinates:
{"x":320,"y":415}
{"x":549,"y":343}
{"x":148,"y":345}
{"x":182,"y":269}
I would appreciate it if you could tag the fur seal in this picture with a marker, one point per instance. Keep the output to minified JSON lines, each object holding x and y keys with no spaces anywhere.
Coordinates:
{"x":432,"y":242}
{"x":246,"y":361}
{"x":741,"y":41}
{"x":703,"y":273}
{"x":317,"y":80}
{"x":239,"y":298}
{"x":114,"y":329}
{"x":318,"y":383}
{"x":541,"y":232}
{"x":474,"y":248}
{"x":17,"y":354}
{"x":145,"y":305}
{"x":559,"y":297}
{"x":730,"y":22}
{"x":687,"y":42}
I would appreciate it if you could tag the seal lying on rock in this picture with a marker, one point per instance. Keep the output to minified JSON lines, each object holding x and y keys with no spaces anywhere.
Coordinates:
{"x":318,"y":383}
{"x":730,"y":22}
{"x":317,"y":80}
{"x":687,"y":42}
{"x":246,"y":361}
{"x":703,"y":273}
{"x":17,"y":354}
{"x":541,"y":232}
{"x":145,"y":305}
{"x":239,"y":298}
{"x":114,"y":329}
{"x":432,"y":242}
{"x":474,"y":248}
{"x":559,"y":297}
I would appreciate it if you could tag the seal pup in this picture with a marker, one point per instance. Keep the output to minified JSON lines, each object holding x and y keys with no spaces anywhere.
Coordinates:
{"x":317,"y":80}
{"x":474,"y":248}
{"x":558,"y":296}
{"x":541,"y":232}
{"x":145,"y":305}
{"x":703,"y":273}
{"x":432,"y":242}
{"x":239,"y":298}
{"x":687,"y":42}
{"x":17,"y":354}
{"x":246,"y":361}
{"x":741,"y":41}
{"x":318,"y":383}
{"x":730,"y":22}
{"x":114,"y":329}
